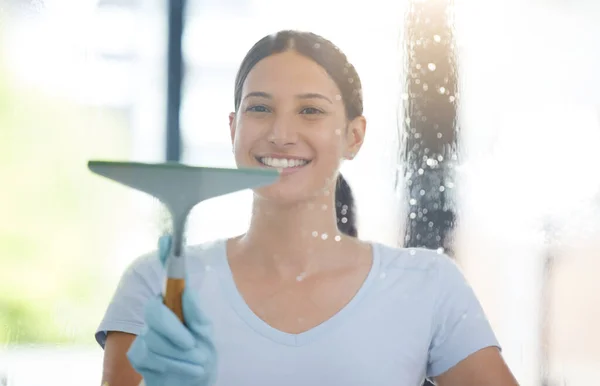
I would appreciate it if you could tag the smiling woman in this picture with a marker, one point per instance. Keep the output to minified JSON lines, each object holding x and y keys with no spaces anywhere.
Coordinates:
{"x":294,"y":300}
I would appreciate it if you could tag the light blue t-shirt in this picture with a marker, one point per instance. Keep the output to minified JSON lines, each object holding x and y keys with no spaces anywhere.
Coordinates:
{"x":414,"y":316}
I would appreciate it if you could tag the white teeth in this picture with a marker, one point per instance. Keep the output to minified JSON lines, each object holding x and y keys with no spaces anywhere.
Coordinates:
{"x":282,"y":162}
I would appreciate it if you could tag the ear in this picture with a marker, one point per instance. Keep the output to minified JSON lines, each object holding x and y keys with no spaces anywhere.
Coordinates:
{"x":355,"y":137}
{"x":232,"y":126}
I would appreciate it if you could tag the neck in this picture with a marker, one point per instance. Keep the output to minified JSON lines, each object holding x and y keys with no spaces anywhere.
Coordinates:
{"x":293,"y":239}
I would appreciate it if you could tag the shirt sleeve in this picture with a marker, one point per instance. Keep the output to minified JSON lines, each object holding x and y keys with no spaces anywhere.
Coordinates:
{"x":460,"y":327}
{"x":141,"y":281}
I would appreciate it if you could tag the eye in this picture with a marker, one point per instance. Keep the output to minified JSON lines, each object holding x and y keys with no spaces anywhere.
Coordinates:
{"x":311,"y":111}
{"x":258,"y":109}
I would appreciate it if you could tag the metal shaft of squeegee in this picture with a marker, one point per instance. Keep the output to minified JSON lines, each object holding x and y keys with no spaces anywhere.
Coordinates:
{"x":175,"y":74}
{"x":175,"y":70}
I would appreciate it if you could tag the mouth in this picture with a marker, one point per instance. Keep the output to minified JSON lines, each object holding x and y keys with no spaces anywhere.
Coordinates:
{"x":283,"y":163}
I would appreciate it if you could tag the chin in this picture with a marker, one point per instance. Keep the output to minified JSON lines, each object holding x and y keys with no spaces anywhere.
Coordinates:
{"x":287,"y":194}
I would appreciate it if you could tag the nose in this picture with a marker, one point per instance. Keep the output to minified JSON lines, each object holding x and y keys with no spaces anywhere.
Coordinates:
{"x":282,"y":131}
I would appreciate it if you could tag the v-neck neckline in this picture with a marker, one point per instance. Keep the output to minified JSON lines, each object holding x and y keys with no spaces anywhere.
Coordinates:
{"x":260,"y":326}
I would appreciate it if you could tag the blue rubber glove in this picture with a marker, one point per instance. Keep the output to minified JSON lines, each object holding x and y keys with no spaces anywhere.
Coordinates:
{"x":169,"y":354}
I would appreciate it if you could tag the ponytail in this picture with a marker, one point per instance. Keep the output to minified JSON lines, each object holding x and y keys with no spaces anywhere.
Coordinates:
{"x":344,"y":208}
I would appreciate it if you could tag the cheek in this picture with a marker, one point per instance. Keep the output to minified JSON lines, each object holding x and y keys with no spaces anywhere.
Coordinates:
{"x":332,"y":143}
{"x":330,"y":151}
{"x":241,"y":149}
{"x":242,"y":140}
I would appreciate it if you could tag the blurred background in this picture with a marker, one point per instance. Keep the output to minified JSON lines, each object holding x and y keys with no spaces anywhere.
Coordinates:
{"x":86,"y":79}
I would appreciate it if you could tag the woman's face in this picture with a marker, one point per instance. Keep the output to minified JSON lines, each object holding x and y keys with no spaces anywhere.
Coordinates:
{"x":292,"y":117}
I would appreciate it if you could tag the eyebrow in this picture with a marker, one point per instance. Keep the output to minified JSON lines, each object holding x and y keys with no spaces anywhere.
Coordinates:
{"x":263,"y":94}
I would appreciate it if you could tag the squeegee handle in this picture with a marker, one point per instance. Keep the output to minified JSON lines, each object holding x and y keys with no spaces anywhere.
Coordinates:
{"x":173,"y":296}
{"x":175,"y":284}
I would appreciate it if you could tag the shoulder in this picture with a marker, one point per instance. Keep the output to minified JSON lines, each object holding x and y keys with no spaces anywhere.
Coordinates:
{"x":431,"y":273}
{"x":426,"y":261}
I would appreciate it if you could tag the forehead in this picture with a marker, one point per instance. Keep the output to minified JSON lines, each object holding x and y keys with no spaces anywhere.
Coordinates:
{"x":289,"y":73}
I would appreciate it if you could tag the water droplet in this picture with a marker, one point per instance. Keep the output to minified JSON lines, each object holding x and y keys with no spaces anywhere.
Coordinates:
{"x":431,"y":162}
{"x":422,"y":192}
{"x":437,"y":38}
{"x":442,"y":90}
{"x":412,"y":252}
{"x":412,"y":201}
{"x":425,"y":86}
{"x":439,"y":135}
{"x":315,"y":234}
{"x":404,"y":96}
{"x":338,"y":132}
{"x":324,"y":207}
{"x":324,"y":236}
{"x":301,"y":276}
{"x":338,"y":238}
{"x":430,"y":224}
{"x":413,"y":215}
{"x":442,"y":188}
{"x":440,"y":250}
{"x":382,"y":275}
{"x":431,"y":66}
{"x":418,"y":66}
{"x":418,"y":81}
{"x":420,"y":171}
{"x":350,"y":80}
{"x":344,"y":220}
{"x":451,"y":98}
{"x":338,"y":97}
{"x":317,"y":46}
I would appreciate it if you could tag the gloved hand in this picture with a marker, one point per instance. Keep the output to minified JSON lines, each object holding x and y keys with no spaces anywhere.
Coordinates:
{"x":168,"y":353}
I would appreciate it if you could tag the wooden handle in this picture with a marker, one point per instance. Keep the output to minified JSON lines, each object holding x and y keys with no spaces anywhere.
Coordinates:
{"x":173,"y":297}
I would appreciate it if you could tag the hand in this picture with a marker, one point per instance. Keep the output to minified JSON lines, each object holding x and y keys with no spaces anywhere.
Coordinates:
{"x":168,"y":353}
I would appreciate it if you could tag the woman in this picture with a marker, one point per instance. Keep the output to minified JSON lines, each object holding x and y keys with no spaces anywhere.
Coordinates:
{"x":293,"y":301}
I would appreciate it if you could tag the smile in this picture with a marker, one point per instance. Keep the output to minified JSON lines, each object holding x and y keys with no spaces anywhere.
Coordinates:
{"x":282,"y":163}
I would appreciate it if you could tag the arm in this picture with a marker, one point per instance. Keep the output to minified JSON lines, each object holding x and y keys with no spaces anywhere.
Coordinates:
{"x":117,"y":371}
{"x":485,"y":367}
{"x":124,"y":319}
{"x":142,"y":338}
{"x":464,"y":350}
